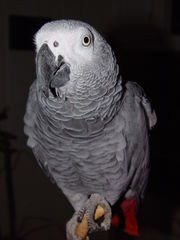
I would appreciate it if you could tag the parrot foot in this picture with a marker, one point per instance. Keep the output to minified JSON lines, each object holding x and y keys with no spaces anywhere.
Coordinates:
{"x":71,"y":227}
{"x":94,"y":216}
{"x":80,"y":214}
{"x":102,"y":223}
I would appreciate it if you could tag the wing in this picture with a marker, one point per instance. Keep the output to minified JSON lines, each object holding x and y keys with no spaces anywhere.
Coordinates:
{"x":139,"y":118}
{"x":139,"y":94}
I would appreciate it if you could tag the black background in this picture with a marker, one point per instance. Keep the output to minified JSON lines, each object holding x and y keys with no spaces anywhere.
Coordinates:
{"x":156,"y":68}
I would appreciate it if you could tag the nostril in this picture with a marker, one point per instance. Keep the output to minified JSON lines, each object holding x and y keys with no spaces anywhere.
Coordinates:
{"x":56,"y":44}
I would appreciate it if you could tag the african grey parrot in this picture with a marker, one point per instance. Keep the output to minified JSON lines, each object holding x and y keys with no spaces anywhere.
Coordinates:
{"x":87,"y":129}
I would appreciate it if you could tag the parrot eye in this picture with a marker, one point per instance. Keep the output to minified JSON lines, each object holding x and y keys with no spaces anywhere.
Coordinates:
{"x":86,"y":40}
{"x":56,"y":44}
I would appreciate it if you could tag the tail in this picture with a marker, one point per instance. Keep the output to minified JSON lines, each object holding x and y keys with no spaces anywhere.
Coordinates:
{"x":124,"y":218}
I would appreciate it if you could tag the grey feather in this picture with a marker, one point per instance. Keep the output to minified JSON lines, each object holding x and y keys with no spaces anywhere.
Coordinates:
{"x":92,"y":136}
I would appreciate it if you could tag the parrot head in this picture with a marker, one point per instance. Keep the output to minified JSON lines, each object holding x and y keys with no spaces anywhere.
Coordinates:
{"x":73,"y":58}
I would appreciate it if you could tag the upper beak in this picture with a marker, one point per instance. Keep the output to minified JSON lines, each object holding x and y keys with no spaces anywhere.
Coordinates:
{"x":50,"y":73}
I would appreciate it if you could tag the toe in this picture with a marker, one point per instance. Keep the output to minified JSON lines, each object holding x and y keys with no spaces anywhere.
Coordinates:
{"x":92,"y":205}
{"x":80,"y":214}
{"x":71,"y":227}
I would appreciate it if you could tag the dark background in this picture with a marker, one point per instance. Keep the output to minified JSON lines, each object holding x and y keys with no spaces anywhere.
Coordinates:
{"x":145,"y":37}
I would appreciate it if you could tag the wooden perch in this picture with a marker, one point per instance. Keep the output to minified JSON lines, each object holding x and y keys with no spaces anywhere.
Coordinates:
{"x":82,"y":228}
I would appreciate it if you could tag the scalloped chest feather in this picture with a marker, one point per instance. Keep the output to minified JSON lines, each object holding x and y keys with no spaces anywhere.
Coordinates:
{"x":81,"y":154}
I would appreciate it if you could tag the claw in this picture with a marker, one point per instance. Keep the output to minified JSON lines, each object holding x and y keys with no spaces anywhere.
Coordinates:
{"x":95,"y":204}
{"x":82,"y":228}
{"x":71,"y":228}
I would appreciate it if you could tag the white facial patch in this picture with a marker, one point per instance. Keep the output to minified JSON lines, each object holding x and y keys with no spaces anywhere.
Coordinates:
{"x":68,"y":43}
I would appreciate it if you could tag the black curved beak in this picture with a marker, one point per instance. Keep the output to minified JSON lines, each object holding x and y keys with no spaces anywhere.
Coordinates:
{"x":51,"y":74}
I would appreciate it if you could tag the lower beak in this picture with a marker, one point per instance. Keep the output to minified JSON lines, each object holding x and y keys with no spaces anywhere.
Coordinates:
{"x":61,"y":74}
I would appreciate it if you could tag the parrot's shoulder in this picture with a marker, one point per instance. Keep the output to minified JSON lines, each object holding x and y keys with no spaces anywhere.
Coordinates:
{"x":135,"y":91}
{"x":134,"y":88}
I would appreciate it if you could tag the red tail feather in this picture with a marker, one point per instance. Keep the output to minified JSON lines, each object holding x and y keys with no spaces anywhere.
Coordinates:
{"x":128,"y":208}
